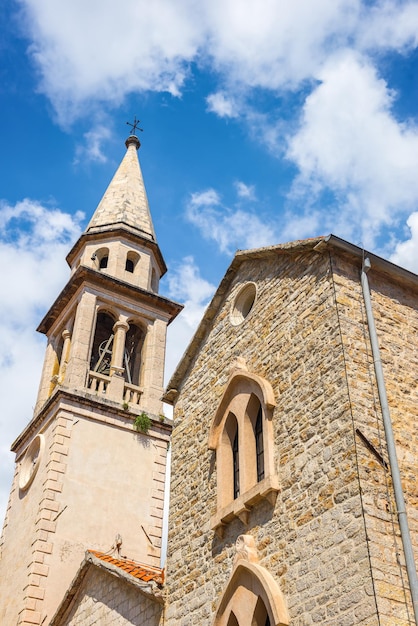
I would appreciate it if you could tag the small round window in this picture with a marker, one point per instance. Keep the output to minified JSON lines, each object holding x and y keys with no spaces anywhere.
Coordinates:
{"x":243,"y":304}
{"x":31,"y":461}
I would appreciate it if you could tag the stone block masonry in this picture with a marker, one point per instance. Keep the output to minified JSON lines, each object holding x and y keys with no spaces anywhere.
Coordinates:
{"x":324,"y":539}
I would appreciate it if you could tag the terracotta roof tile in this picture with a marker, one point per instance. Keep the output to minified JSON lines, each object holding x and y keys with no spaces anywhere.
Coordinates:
{"x":141,"y":572}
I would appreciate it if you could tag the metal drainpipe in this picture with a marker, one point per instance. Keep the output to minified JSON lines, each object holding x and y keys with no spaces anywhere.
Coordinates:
{"x":393,"y":459}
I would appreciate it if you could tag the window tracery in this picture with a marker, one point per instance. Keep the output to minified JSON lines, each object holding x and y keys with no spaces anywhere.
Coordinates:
{"x":242,"y":436}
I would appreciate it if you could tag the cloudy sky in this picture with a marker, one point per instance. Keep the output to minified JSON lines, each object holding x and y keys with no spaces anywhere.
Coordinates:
{"x":264,"y":121}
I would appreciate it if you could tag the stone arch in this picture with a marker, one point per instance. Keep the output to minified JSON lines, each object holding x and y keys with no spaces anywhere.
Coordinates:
{"x":134,"y":351}
{"x":251,"y":596}
{"x":101,"y":352}
{"x":131,"y":261}
{"x":250,"y":399}
{"x":240,"y":380}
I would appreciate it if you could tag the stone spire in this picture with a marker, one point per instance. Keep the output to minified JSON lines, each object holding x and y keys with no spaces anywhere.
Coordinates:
{"x":125,"y":200}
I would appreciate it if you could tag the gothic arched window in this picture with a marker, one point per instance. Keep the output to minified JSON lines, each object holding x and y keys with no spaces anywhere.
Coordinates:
{"x":252,"y":596}
{"x":242,"y":436}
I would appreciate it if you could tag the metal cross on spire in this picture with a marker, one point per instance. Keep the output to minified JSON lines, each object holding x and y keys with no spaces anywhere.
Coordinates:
{"x":135,"y":126}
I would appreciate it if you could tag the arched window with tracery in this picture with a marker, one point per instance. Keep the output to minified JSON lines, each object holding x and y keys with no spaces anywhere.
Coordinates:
{"x":242,"y":436}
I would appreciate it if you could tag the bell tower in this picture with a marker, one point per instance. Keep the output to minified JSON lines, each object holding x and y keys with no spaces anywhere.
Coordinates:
{"x":84,"y":475}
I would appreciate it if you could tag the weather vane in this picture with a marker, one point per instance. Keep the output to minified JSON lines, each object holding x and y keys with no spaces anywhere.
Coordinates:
{"x":135,"y":126}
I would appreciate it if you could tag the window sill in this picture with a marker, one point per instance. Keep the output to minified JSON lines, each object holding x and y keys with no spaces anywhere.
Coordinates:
{"x":266,"y":489}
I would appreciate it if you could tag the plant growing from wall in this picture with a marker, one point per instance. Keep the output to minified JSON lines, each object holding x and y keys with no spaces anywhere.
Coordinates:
{"x":142,"y":423}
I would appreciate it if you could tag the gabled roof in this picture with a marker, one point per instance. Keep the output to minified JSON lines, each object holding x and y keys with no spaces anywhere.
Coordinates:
{"x":148,"y":580}
{"x":319,"y":244}
{"x":141,"y":572}
{"x":125,"y":200}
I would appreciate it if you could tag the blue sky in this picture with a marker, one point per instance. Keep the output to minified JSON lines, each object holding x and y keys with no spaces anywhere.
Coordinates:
{"x":264,"y":122}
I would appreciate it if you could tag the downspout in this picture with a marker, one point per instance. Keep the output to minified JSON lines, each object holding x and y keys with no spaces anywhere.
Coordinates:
{"x":393,"y":460}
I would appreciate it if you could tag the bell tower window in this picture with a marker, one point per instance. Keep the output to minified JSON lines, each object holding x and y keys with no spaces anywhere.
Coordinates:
{"x":103,"y":262}
{"x":132,"y":259}
{"x":101,"y":356}
{"x":133,"y":354}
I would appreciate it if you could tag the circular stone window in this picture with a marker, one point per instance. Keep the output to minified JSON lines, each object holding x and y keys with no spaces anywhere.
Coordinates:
{"x":31,"y":461}
{"x":243,"y":304}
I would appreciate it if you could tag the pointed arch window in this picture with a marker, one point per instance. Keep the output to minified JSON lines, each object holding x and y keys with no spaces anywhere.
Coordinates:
{"x":242,"y":436}
{"x":252,"y":597}
{"x":259,"y":444}
{"x":235,"y":463}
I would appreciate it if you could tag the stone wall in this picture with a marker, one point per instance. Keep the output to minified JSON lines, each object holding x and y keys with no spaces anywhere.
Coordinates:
{"x":305,"y":336}
{"x":396,"y":317}
{"x":105,"y":600}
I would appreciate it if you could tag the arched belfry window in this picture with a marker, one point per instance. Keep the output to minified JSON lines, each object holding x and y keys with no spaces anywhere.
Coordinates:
{"x":101,"y":354}
{"x":133,"y":353}
{"x":100,"y":258}
{"x":132,"y":259}
{"x":242,"y":436}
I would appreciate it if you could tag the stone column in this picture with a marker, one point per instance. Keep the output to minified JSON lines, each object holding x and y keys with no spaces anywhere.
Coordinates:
{"x":117,"y":382}
{"x":83,"y":332}
{"x":66,"y":335}
{"x":153,"y":367}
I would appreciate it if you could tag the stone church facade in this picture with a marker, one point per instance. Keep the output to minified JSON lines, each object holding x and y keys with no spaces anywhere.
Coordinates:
{"x":282,"y":367}
{"x":283,"y":508}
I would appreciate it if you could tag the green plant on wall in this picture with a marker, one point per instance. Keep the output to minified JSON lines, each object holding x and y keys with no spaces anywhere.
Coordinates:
{"x":142,"y":423}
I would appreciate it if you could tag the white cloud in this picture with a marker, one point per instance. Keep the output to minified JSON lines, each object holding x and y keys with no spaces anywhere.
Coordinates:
{"x":99,"y":51}
{"x":96,"y":52}
{"x":406,"y":252}
{"x":246,"y":192}
{"x":389,"y":25}
{"x":222,"y":104}
{"x":34,"y":241}
{"x":185,"y":285}
{"x":229,"y":228}
{"x":92,"y":148}
{"x":350,"y":143}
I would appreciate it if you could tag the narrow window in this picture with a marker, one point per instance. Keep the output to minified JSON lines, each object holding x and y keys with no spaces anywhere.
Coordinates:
{"x":103,"y":262}
{"x":129,"y":266}
{"x":235,"y":462}
{"x":132,"y":259}
{"x":259,"y":444}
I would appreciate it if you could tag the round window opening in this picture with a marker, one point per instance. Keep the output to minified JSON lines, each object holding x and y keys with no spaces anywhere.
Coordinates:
{"x":31,"y":461}
{"x":243,"y":304}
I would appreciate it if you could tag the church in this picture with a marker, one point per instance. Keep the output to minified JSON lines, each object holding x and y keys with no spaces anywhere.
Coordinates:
{"x":294,"y":497}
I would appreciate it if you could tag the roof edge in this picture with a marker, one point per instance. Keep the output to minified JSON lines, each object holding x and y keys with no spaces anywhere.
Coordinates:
{"x":318,"y":244}
{"x":150,"y":590}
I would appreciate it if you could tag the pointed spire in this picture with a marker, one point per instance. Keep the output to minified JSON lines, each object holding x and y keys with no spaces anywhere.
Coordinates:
{"x":125,"y":200}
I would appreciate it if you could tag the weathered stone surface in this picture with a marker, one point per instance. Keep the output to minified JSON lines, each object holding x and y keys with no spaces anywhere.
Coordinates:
{"x":329,"y":538}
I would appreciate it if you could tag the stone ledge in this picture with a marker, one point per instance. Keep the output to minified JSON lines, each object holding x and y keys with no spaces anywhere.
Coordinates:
{"x":266,"y":489}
